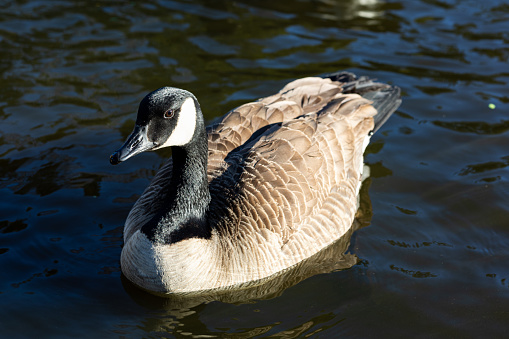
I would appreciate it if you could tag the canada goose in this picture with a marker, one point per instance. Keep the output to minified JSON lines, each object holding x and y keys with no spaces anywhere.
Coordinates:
{"x":272,"y":183}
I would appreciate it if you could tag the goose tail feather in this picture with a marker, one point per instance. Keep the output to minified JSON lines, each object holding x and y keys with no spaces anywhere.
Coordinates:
{"x":386,"y":98}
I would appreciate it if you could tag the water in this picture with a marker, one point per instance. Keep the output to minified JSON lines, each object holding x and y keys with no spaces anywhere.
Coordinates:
{"x":430,"y":257}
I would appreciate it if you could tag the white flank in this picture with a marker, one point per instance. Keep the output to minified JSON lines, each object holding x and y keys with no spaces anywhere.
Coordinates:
{"x":186,"y":124}
{"x":365,"y":144}
{"x":362,"y":168}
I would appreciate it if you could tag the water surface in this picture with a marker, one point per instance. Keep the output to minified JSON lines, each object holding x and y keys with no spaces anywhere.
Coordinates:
{"x":431,"y":252}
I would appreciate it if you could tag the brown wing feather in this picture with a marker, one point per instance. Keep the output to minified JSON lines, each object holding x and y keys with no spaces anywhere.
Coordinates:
{"x":298,"y":181}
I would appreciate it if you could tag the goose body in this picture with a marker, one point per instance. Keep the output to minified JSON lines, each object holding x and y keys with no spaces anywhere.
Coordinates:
{"x":271,"y":184}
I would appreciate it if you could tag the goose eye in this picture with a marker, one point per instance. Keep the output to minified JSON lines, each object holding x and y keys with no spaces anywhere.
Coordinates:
{"x":169,"y":114}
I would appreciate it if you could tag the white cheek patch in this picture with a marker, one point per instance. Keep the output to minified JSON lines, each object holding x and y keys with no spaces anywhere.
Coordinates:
{"x":186,"y":124}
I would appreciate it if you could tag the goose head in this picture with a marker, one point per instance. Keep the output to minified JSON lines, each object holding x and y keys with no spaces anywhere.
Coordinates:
{"x":166,"y":117}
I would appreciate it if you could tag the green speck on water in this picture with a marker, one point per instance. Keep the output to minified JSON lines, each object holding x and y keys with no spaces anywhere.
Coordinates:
{"x":492,"y":106}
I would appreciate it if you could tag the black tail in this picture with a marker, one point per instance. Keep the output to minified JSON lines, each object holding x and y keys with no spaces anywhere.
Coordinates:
{"x":386,"y":98}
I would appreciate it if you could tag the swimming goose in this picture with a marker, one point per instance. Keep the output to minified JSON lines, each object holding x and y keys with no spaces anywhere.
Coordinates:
{"x":270,"y":184}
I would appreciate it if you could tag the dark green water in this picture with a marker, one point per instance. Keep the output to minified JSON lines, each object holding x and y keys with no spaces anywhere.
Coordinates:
{"x":432,"y":257}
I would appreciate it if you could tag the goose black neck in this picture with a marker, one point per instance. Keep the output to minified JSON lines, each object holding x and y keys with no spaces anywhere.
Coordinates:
{"x":188,"y":196}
